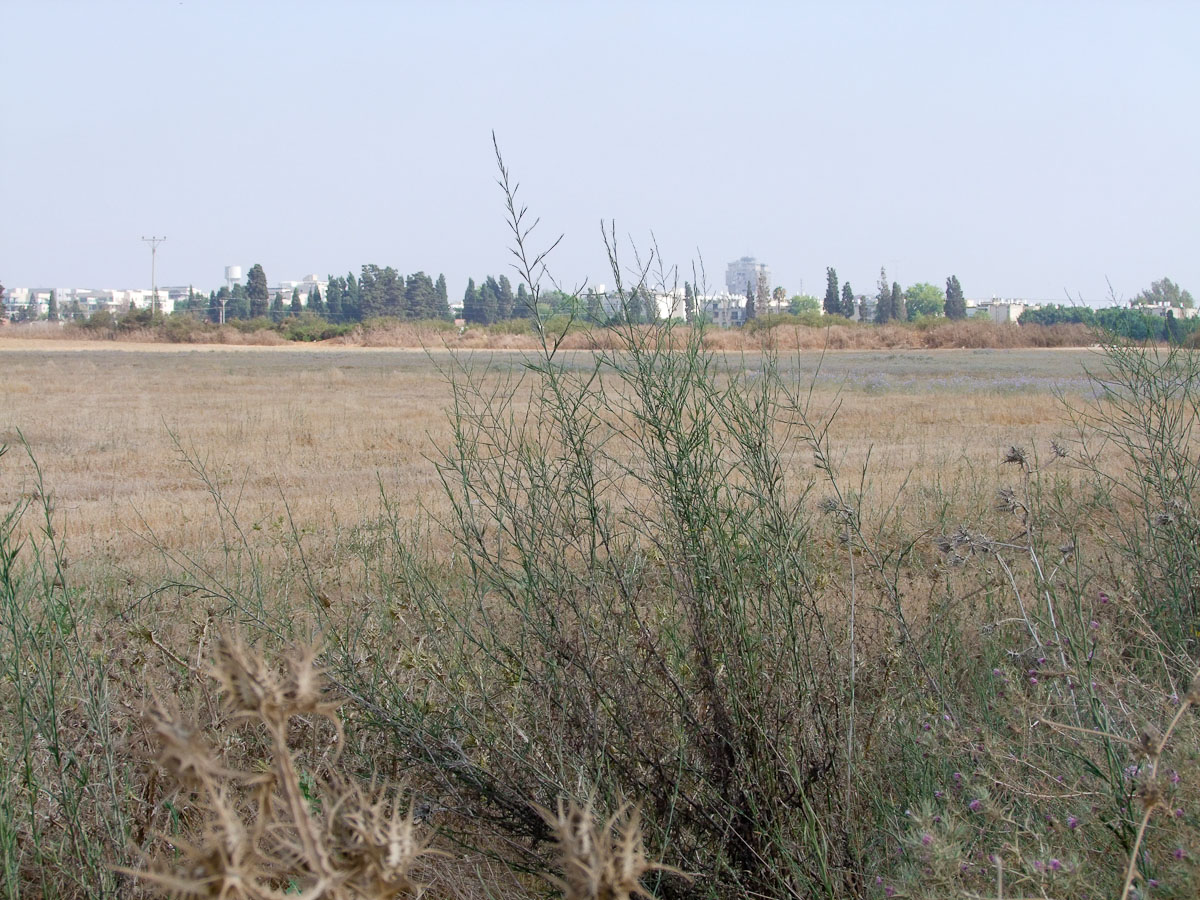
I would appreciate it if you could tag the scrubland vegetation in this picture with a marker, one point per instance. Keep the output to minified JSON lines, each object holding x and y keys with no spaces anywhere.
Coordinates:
{"x":853,"y":625}
{"x":778,"y":332}
{"x":649,"y":610}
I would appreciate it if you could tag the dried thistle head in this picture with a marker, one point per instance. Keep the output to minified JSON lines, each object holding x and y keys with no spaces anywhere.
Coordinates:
{"x":184,"y":755}
{"x":603,"y":862}
{"x":1058,"y":450}
{"x":250,"y":686}
{"x":1017,"y":455}
{"x":377,"y":842}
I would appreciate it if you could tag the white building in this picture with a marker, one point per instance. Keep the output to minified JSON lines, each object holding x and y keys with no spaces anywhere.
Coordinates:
{"x":1161,"y":310}
{"x":305,"y":286}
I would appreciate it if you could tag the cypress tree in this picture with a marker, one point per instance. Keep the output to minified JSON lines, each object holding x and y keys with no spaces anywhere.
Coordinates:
{"x":421,"y":297}
{"x":956,"y":304}
{"x":523,"y":305}
{"x":506,"y":299}
{"x":351,"y":299}
{"x":442,"y":311}
{"x":471,"y":313}
{"x":315,"y":305}
{"x":296,"y":306}
{"x":833,"y":302}
{"x":257,"y":292}
{"x":277,"y":307}
{"x":52,"y":309}
{"x":333,"y":299}
{"x":689,"y":302}
{"x":847,"y":307}
{"x":751,"y":312}
{"x":3,"y":305}
{"x":899,"y":311}
{"x":883,"y":299}
{"x":489,"y":300}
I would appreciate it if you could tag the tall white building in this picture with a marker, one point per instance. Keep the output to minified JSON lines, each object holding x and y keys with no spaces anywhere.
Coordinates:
{"x":743,"y":272}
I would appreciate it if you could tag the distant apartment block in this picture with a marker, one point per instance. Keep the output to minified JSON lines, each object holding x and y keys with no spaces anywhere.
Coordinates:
{"x":743,"y":273}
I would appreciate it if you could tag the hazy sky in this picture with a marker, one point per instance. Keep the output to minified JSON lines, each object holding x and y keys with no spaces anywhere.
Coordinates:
{"x":1032,"y":149}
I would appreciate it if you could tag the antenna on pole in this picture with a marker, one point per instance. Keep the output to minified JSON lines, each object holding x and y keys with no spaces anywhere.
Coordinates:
{"x":154,"y":242}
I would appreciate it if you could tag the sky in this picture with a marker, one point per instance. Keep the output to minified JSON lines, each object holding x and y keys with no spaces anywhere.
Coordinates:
{"x":1045,"y":150}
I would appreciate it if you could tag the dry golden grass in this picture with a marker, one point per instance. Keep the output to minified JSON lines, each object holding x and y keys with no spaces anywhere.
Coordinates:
{"x":113,"y":426}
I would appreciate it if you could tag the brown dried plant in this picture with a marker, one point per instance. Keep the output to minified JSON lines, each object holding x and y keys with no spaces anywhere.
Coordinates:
{"x":605,"y":862}
{"x":260,"y":837}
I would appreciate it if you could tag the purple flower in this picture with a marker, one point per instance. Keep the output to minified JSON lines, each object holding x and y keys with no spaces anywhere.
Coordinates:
{"x":1174,"y":777}
{"x":1072,"y":822}
{"x":1055,"y":865}
{"x":1179,"y":853}
{"x":889,"y":891}
{"x":1094,"y":624}
{"x":924,"y":726}
{"x":926,"y":840}
{"x":1103,"y":597}
{"x":975,"y":805}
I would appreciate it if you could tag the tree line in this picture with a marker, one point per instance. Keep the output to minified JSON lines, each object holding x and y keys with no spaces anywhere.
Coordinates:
{"x":893,"y":304}
{"x":376,"y":292}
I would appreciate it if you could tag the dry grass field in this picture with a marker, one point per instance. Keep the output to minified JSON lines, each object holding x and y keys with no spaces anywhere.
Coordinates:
{"x":930,"y":640}
{"x":113,"y":427}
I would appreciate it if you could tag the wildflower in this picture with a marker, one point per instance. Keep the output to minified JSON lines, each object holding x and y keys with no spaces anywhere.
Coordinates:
{"x":1103,"y":597}
{"x":1072,"y":822}
{"x":975,"y":805}
{"x":1055,"y":865}
{"x":926,"y":840}
{"x":1179,"y":853}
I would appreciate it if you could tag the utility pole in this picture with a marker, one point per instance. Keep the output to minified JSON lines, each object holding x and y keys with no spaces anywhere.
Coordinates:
{"x":154,"y":242}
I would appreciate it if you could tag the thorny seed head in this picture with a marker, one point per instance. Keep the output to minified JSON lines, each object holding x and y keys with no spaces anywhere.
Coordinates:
{"x":1058,"y":449}
{"x":381,"y":841}
{"x":251,"y":688}
{"x":1018,"y":455}
{"x":600,"y":862}
{"x":182,"y":752}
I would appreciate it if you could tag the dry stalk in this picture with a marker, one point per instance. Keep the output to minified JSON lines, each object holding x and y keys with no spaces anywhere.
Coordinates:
{"x":261,"y":837}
